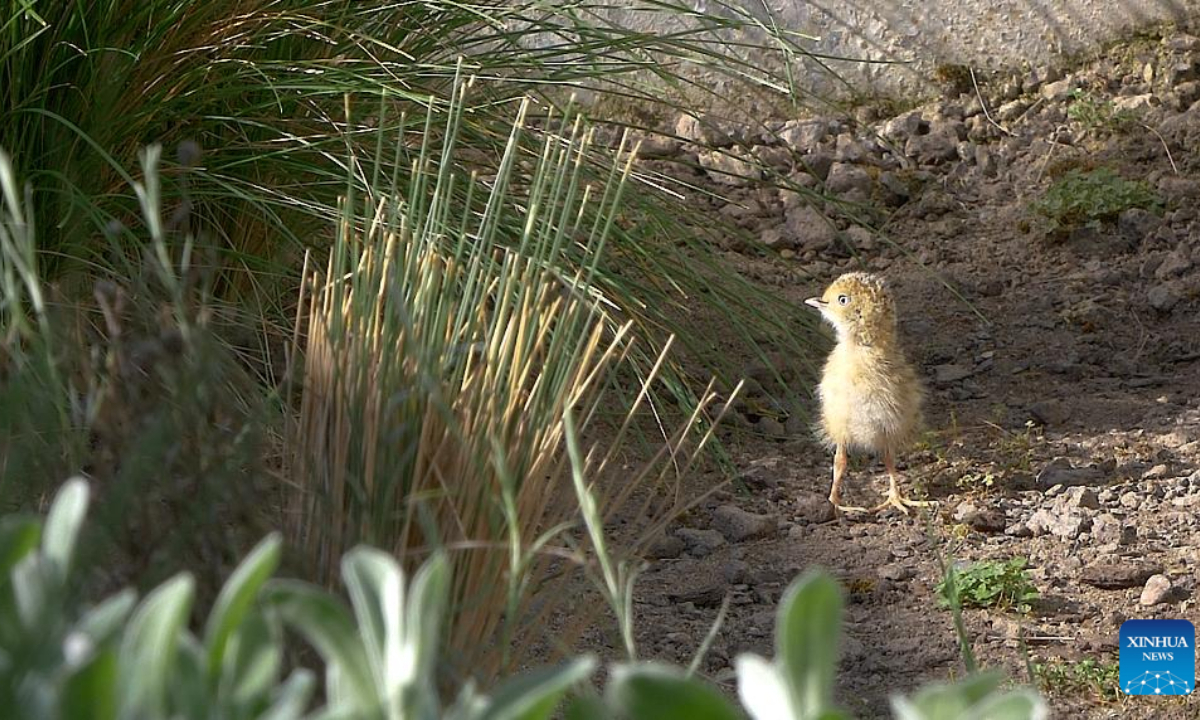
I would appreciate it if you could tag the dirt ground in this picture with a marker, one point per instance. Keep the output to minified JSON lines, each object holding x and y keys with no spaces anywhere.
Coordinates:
{"x":1063,"y":407}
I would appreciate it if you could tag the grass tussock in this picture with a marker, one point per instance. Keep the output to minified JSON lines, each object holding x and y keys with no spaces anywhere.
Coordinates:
{"x":442,"y":357}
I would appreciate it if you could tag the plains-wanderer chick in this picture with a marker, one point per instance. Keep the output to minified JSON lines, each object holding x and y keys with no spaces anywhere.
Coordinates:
{"x":870,"y":395}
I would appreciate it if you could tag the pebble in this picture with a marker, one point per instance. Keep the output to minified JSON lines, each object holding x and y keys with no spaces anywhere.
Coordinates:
{"x":700,"y":543}
{"x":1118,"y":576}
{"x":736,"y":524}
{"x":1156,"y":591}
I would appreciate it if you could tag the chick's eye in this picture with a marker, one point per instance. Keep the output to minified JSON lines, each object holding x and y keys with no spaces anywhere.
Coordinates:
{"x":843,"y":299}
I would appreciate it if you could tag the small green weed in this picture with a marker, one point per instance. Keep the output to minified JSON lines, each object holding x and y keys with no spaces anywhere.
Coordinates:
{"x":988,"y":584}
{"x":1099,"y":116}
{"x":1061,"y":677}
{"x":1091,"y":198}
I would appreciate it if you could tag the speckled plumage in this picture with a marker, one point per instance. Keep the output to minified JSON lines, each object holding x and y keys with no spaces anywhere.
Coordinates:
{"x":870,"y":395}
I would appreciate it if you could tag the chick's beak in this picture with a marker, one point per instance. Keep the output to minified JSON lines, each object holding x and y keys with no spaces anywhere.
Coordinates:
{"x":818,"y":303}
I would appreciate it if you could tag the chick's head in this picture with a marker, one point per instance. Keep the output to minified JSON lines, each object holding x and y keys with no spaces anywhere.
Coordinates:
{"x":859,"y":307}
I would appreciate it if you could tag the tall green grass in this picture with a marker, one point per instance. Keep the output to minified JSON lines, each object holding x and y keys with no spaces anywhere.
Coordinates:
{"x":258,"y":101}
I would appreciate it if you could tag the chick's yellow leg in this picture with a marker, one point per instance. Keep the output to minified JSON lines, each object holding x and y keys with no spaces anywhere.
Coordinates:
{"x":894,"y":498}
{"x":835,"y":492}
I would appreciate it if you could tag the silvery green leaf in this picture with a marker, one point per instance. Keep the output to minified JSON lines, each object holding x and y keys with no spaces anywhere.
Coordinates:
{"x":806,"y":639}
{"x":326,"y":624}
{"x":148,"y":649}
{"x":63,"y":523}
{"x":761,"y":689}
{"x":239,"y":592}
{"x":649,"y":691}
{"x":535,"y":695}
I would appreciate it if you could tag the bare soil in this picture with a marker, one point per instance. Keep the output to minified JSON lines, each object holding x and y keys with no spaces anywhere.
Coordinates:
{"x":1063,"y":410}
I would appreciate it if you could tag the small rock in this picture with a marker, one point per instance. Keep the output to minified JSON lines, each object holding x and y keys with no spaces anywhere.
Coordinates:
{"x":1052,"y":413}
{"x":706,"y":592}
{"x":896,"y":572}
{"x":774,"y":157}
{"x":1137,"y":224}
{"x":1059,"y":471}
{"x":1079,"y":497}
{"x":849,"y":150}
{"x":1135,"y":103}
{"x":1108,"y":530}
{"x":1158,"y":471}
{"x":665,"y":547}
{"x":1118,"y":576}
{"x":817,"y":164}
{"x":1182,"y":43}
{"x":814,"y":508}
{"x":700,"y":543}
{"x":1058,"y":90}
{"x":737,"y":525}
{"x":1012,"y":110}
{"x":707,"y":130}
{"x":844,"y":178}
{"x":808,"y":228}
{"x":899,"y":129}
{"x":803,"y":136}
{"x":950,"y":373}
{"x":1156,"y":591}
{"x":658,"y":146}
{"x":770,"y":427}
{"x":735,"y":572}
{"x":986,"y":520}
{"x":1162,"y":298}
{"x":939,"y":145}
{"x":1064,"y":523}
{"x":1174,"y":265}
{"x":860,"y":238}
{"x":729,"y":167}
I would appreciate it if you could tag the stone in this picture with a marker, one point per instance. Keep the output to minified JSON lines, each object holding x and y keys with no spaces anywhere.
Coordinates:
{"x":1079,"y":497}
{"x":844,"y":178}
{"x":1162,"y":298}
{"x":808,"y":228}
{"x":814,"y":508}
{"x":1156,"y":591}
{"x":1135,"y":103}
{"x":658,"y":146}
{"x":1059,"y":471}
{"x":849,"y":149}
{"x":1067,"y":523}
{"x":1058,"y":90}
{"x":900,"y":129}
{"x":1182,"y":43}
{"x":704,"y":592}
{"x":804,"y":136}
{"x":818,"y":163}
{"x":729,"y":167}
{"x":738,"y":525}
{"x":950,"y":373}
{"x":706,"y":130}
{"x":939,"y":145}
{"x":1119,"y":575}
{"x":773,"y":157}
{"x":1108,"y":530}
{"x":775,"y":239}
{"x":1175,"y":264}
{"x":700,"y":543}
{"x":1137,"y":224}
{"x":896,"y":572}
{"x":860,"y":238}
{"x":665,"y":547}
{"x":1052,"y":413}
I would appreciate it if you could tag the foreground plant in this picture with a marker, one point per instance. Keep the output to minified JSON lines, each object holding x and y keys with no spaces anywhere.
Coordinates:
{"x":122,"y":658}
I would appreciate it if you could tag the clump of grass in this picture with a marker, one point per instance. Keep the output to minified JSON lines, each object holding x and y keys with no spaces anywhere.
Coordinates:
{"x":443,"y":352}
{"x":998,"y":584}
{"x":1091,"y":198}
{"x":1099,"y":116}
{"x":1099,"y":680}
